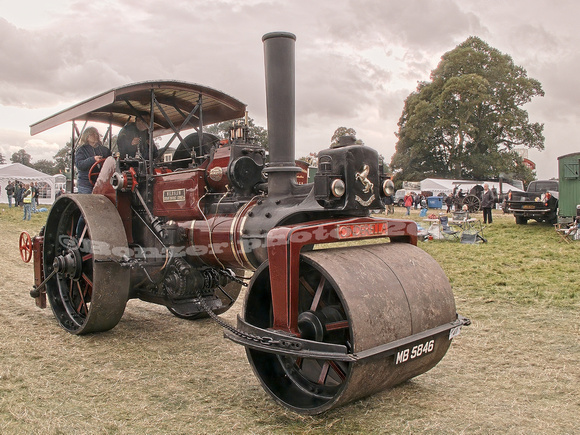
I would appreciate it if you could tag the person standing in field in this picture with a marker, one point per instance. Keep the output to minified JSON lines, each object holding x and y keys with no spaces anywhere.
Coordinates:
{"x":27,"y":201}
{"x":408,"y":200}
{"x":10,"y":192}
{"x":487,"y":200}
{"x":449,"y":202}
{"x":17,"y":193}
{"x":389,"y":207}
{"x":34,"y":193}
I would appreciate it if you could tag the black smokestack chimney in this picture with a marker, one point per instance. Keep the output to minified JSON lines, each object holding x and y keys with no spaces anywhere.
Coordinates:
{"x":280,"y":103}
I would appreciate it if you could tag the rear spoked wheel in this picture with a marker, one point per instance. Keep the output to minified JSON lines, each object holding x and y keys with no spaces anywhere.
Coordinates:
{"x":472,"y":202}
{"x":84,"y":243}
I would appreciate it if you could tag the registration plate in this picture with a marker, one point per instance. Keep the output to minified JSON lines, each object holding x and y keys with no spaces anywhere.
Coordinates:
{"x":414,"y":352}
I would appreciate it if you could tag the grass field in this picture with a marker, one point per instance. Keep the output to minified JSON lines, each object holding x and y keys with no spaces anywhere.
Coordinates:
{"x":515,"y":370}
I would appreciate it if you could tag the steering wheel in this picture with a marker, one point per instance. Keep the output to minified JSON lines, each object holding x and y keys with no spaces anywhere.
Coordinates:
{"x":95,"y":170}
{"x":25,"y":245}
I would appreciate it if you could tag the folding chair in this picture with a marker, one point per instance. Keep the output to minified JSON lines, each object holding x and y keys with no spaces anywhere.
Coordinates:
{"x":567,"y":234}
{"x":474,"y":234}
{"x":446,"y":230}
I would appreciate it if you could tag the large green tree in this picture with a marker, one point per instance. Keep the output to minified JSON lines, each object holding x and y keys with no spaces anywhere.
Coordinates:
{"x":466,"y":122}
{"x":339,"y":132}
{"x":62,"y":159}
{"x":21,"y":156}
{"x":2,"y":159}
{"x":45,"y":166}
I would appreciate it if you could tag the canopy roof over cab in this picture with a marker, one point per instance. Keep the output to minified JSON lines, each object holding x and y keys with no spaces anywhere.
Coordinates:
{"x":172,"y":103}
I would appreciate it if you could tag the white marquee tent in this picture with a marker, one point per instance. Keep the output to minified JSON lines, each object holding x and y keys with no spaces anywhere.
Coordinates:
{"x":25,"y":174}
{"x":440,"y":185}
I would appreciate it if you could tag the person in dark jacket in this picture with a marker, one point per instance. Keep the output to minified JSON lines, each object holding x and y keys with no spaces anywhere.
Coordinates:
{"x":487,"y":200}
{"x":389,"y":204}
{"x":449,"y":203}
{"x":133,"y":137}
{"x":90,"y":151}
{"x":18,"y":193}
{"x":10,"y":193}
{"x":34,"y":190}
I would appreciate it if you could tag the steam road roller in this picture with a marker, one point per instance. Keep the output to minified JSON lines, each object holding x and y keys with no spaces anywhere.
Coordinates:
{"x":323,"y":323}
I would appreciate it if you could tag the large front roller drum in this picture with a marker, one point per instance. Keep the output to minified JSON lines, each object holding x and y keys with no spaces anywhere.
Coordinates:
{"x":360,"y":297}
{"x":90,"y":288}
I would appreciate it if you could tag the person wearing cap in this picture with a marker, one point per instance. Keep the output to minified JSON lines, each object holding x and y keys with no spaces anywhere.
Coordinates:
{"x":133,"y":137}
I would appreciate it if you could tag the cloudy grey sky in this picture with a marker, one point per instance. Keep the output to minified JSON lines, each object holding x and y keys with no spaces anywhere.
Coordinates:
{"x":356,"y":60}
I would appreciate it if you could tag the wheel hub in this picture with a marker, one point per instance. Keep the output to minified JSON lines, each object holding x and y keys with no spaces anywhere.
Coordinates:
{"x":69,"y":263}
{"x":312,"y":324}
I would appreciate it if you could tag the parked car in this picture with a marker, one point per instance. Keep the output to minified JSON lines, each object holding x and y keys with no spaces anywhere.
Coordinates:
{"x":400,"y":197}
{"x":538,"y":202}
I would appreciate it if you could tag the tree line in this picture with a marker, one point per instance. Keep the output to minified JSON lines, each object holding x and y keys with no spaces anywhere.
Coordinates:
{"x":59,"y":164}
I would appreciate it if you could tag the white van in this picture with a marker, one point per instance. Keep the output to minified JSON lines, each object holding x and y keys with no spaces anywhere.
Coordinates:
{"x":400,"y":197}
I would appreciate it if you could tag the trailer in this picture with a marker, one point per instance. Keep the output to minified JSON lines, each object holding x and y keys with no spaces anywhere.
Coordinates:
{"x":569,"y":187}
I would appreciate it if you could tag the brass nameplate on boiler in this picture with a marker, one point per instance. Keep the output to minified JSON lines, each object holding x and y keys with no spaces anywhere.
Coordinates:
{"x":174,"y":195}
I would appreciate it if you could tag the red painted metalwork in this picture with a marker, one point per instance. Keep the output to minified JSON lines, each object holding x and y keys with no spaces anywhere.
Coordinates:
{"x":177,"y":194}
{"x":25,"y":246}
{"x":95,"y":170}
{"x":217,"y":240}
{"x":37,"y":249}
{"x":210,"y":241}
{"x":216,"y":177}
{"x":285,"y":243}
{"x":302,"y":176}
{"x":134,"y":182}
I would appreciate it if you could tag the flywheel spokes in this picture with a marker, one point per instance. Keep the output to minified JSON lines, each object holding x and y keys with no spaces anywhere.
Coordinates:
{"x":89,"y":289}
{"x":310,"y":382}
{"x":360,"y":299}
